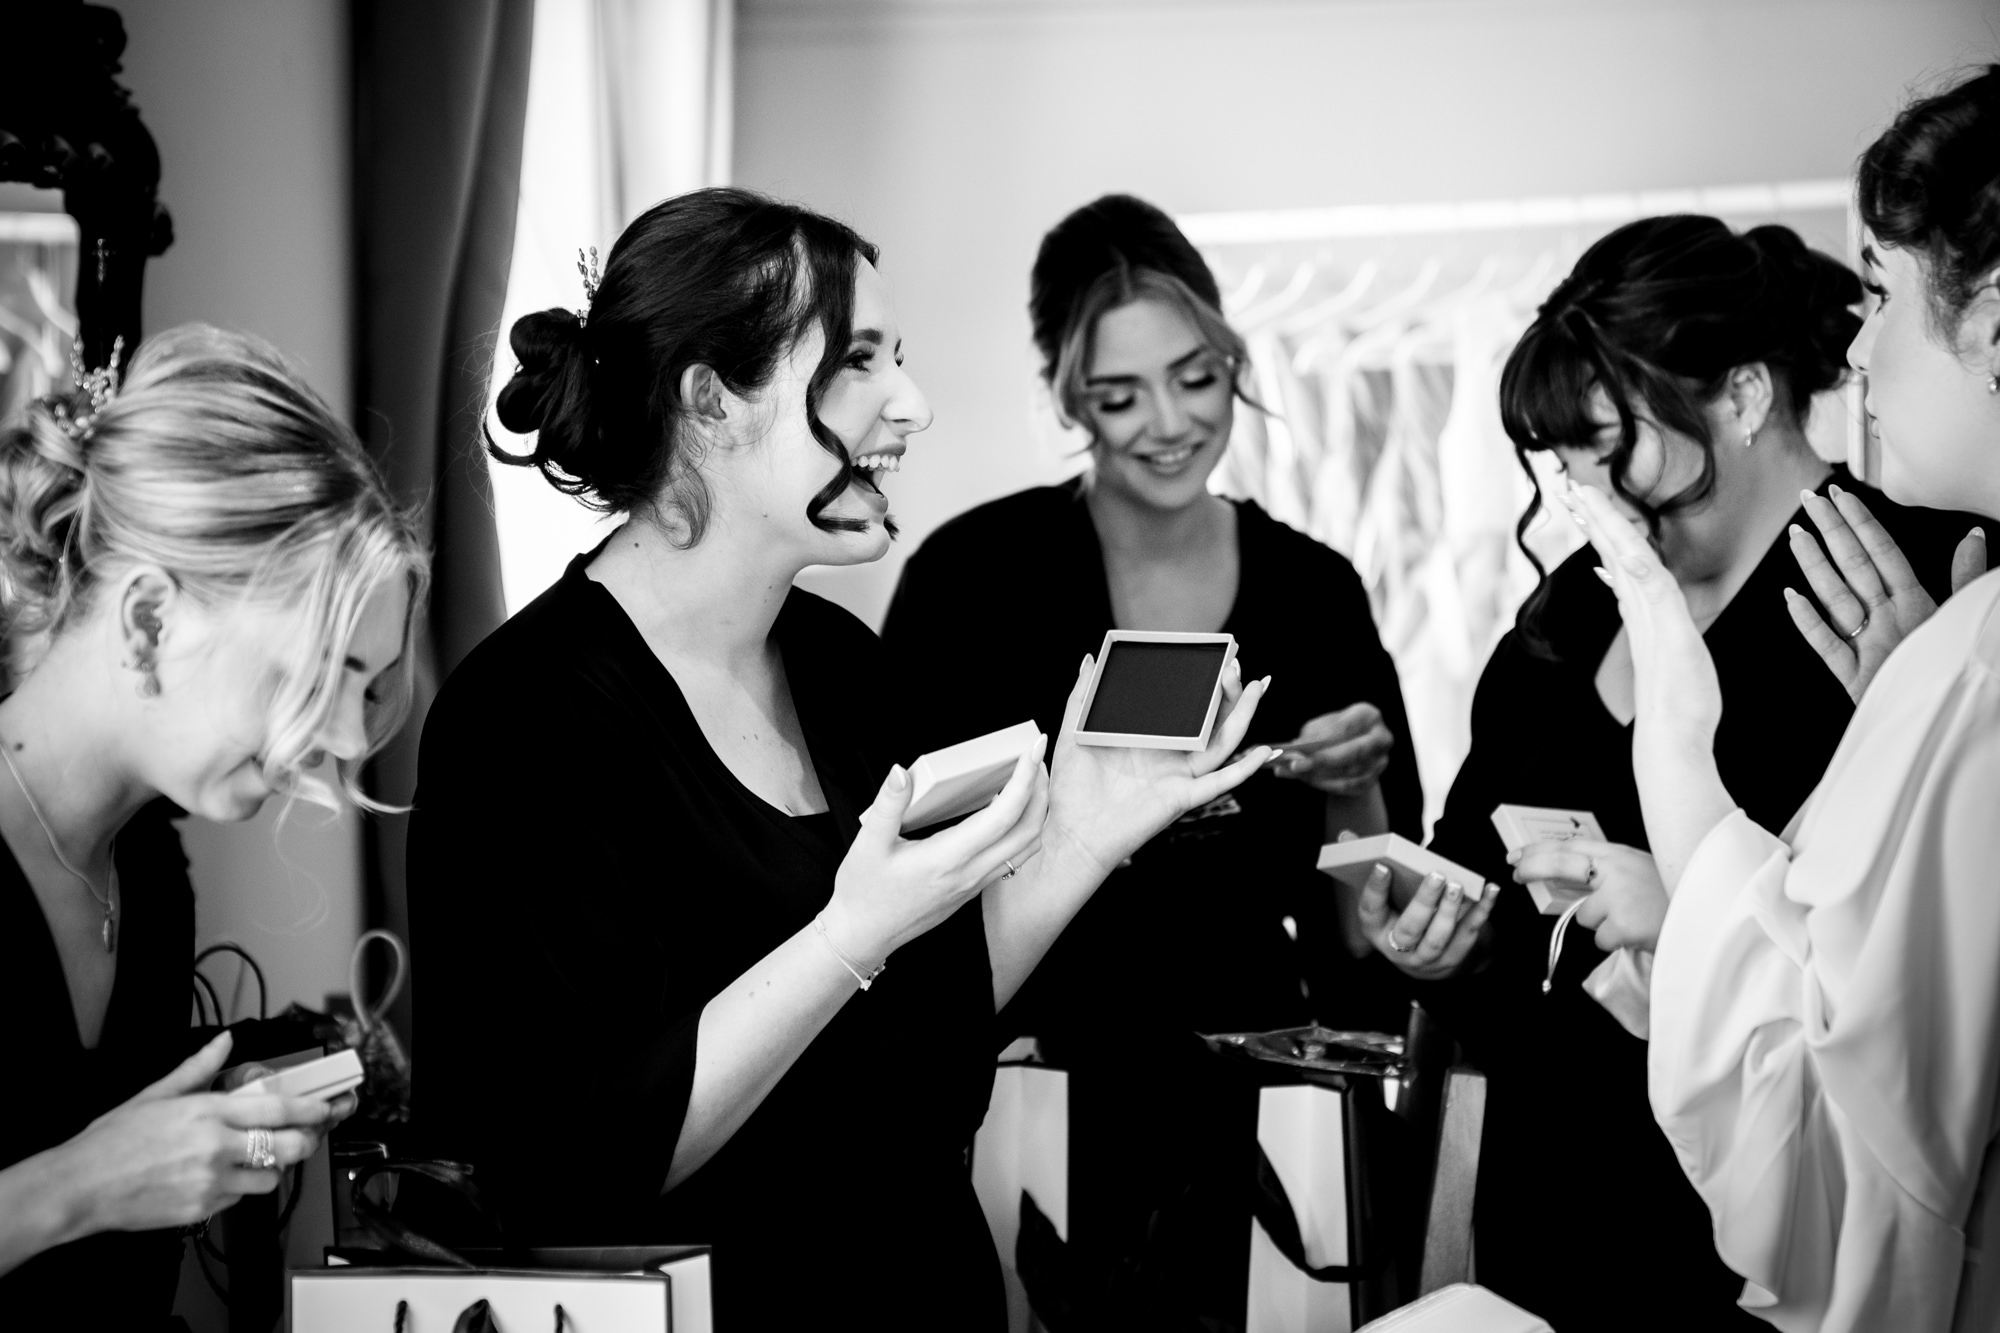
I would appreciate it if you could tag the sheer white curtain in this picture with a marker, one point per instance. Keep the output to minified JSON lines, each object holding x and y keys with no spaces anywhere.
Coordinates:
{"x":628,"y":103}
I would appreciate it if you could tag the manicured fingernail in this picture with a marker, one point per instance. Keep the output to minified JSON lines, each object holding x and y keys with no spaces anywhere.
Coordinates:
{"x":1795,"y":530}
{"x":1514,"y":857}
{"x":1451,"y":892}
{"x":1831,"y":489}
{"x":1602,"y":577}
{"x":899,"y":778}
{"x":1808,"y":496}
{"x":1791,"y":595}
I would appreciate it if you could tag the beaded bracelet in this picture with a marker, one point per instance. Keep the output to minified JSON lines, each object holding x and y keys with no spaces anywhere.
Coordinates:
{"x":866,"y":979}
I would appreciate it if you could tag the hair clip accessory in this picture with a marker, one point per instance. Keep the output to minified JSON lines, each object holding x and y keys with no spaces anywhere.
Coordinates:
{"x":590,"y":282}
{"x":90,"y":390}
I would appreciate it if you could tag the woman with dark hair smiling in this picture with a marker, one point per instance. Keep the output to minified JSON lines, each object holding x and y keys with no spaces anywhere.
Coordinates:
{"x":1825,"y":1004}
{"x":712,"y":873}
{"x":1675,"y":367}
{"x":1222,"y":922}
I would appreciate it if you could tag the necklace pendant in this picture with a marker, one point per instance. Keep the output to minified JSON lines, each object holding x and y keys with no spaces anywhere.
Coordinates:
{"x":110,"y":933}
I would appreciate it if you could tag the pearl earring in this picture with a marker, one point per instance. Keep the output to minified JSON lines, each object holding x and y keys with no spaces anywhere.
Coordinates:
{"x":1993,"y":384}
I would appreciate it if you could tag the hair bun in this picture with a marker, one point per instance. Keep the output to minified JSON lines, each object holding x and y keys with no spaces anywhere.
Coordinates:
{"x":1812,"y":297}
{"x":548,"y":344}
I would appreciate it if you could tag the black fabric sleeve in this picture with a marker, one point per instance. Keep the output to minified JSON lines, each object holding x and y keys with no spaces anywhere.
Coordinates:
{"x":546,"y":916}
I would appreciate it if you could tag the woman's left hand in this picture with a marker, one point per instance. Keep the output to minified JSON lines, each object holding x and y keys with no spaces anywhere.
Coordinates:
{"x":1342,"y":753}
{"x":1627,"y":901}
{"x":1110,"y":800}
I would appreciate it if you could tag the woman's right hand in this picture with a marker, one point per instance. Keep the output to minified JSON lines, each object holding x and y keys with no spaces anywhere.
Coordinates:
{"x":1868,"y":589}
{"x":176,"y":1153}
{"x":889,"y":889}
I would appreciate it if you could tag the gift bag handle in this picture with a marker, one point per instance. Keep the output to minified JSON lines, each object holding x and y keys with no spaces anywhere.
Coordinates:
{"x":1272,"y":1207}
{"x":366,"y":1014}
{"x":475,"y":1318}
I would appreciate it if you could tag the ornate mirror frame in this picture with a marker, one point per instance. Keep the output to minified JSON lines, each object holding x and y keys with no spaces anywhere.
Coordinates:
{"x":67,"y":123}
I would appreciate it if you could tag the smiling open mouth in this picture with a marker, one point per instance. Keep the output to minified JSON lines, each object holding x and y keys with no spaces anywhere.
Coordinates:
{"x":868,"y":470}
{"x":1170,"y":458}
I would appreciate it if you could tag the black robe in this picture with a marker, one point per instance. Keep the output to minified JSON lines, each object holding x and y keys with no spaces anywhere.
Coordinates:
{"x":55,"y":1088}
{"x":585,"y":874}
{"x":1583,"y":1214}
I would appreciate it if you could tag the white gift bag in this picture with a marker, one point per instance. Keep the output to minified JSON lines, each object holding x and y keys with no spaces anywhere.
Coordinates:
{"x":364,"y":1300}
{"x":656,"y":1296}
{"x":1022,"y":1148}
{"x":1302,"y":1130}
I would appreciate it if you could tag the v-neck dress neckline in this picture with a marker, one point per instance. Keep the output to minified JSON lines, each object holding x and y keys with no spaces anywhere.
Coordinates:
{"x":845,"y":817}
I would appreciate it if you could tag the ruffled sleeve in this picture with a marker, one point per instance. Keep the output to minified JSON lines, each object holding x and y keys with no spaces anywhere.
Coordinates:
{"x":1825,"y":1011}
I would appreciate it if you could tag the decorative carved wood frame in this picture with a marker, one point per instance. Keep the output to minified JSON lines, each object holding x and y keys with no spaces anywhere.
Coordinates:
{"x":66,"y":123}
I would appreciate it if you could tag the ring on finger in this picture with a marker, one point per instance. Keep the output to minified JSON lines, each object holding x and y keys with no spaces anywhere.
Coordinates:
{"x":1389,"y":938}
{"x":1855,"y":633}
{"x":1012,"y":870}
{"x":262,"y":1152}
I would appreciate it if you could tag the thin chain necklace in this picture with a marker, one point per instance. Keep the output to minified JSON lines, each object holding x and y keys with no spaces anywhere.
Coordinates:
{"x":110,"y":905}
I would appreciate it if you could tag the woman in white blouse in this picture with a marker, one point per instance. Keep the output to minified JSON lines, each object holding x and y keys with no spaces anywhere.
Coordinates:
{"x":1825,"y":1052}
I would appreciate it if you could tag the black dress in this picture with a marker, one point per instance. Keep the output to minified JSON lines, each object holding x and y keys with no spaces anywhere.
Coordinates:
{"x":991,"y":618}
{"x":585,"y":874}
{"x":116,"y":1279}
{"x":1583,"y":1214}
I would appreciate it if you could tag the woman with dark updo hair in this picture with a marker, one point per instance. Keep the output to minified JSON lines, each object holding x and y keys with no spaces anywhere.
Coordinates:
{"x":1825,"y":1009}
{"x":642,"y":1005}
{"x":1675,"y":368}
{"x":1222,"y":923}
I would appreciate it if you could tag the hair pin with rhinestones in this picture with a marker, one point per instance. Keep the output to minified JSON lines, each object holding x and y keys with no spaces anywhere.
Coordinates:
{"x":590,"y":281}
{"x":90,"y":389}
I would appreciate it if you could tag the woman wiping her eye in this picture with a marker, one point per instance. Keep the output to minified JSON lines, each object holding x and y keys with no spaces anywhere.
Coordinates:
{"x":660,"y":804}
{"x":1825,"y":1009}
{"x":207,"y":591}
{"x":1675,"y":368}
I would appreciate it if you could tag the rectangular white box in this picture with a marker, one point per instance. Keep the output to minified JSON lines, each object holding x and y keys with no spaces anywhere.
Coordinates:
{"x":1155,"y":690}
{"x":307,"y":1074}
{"x":967,"y":776}
{"x":1351,"y":863}
{"x":1519,"y":825}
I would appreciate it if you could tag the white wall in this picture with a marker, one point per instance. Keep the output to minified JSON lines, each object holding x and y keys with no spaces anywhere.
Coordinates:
{"x":249,"y":102}
{"x":954,"y":132}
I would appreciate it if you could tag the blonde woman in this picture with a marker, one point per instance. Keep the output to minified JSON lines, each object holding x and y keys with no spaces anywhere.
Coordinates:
{"x":207,"y":591}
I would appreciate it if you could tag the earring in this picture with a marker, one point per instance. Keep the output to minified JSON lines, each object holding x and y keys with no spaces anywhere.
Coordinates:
{"x":1749,"y":438}
{"x":149,"y":680}
{"x":1993,"y":384}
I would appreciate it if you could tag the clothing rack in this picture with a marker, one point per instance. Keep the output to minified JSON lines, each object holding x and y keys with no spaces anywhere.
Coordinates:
{"x":1353,"y":221}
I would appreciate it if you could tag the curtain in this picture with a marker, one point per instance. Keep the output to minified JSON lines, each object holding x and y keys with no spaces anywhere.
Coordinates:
{"x":440,"y":95}
{"x":628,"y":104}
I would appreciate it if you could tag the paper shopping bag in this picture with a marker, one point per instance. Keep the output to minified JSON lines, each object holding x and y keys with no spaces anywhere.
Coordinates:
{"x":1020,"y":1164}
{"x":1301,"y":1130}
